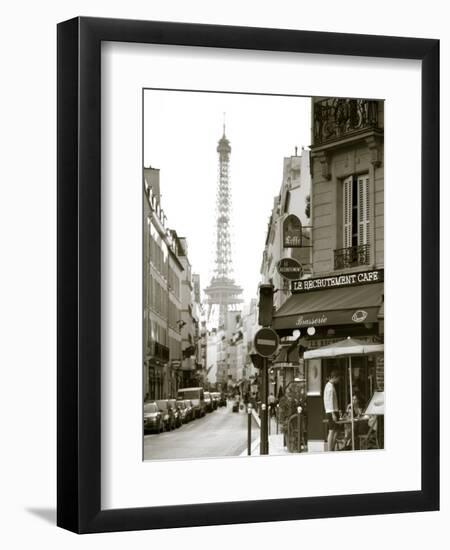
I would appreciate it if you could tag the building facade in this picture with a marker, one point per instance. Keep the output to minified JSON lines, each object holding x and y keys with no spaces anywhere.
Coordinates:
{"x":343,"y":296}
{"x":293,"y":200}
{"x":188,"y":322}
{"x":162,"y":273}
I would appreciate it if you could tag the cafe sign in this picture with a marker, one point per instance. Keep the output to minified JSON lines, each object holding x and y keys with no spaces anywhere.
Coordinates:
{"x":290,"y":269}
{"x":292,"y":232}
{"x":338,"y":281}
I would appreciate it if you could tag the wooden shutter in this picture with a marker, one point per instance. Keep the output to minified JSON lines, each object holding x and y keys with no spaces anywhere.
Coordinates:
{"x":347,"y":225}
{"x":363,"y":209}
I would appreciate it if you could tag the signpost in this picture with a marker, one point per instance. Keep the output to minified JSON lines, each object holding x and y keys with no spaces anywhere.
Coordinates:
{"x":266,"y":343}
{"x":292,"y":232}
{"x":290,"y":269}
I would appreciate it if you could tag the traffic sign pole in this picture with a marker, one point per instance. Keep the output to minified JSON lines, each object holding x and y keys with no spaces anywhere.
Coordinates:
{"x":266,"y":343}
{"x":264,"y":442}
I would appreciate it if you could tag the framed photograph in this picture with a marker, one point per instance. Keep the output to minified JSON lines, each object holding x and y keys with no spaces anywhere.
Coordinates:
{"x":194,"y":161}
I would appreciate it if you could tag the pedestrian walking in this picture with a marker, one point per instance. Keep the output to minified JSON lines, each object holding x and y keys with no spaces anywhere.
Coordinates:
{"x":271,"y":401}
{"x":331,"y":406}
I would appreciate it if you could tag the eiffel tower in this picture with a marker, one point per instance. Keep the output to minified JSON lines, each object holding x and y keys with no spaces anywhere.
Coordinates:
{"x":223,"y":294}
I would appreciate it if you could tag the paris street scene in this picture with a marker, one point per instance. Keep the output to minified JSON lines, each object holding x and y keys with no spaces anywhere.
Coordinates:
{"x":263,"y":275}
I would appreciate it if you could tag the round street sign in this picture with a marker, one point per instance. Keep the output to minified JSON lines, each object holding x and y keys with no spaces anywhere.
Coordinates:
{"x":266,"y":342}
{"x":289,"y":268}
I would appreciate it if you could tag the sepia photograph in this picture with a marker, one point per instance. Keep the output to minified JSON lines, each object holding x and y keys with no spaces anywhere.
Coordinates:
{"x":263,"y":274}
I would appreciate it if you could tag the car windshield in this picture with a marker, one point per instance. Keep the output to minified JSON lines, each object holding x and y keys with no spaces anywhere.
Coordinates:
{"x":181,"y":404}
{"x":162,"y":405}
{"x":150,"y":408}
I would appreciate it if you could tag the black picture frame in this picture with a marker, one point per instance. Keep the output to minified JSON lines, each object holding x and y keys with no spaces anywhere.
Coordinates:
{"x":79,"y":275}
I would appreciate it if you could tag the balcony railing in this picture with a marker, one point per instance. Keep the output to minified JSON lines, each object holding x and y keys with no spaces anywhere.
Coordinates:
{"x":158,"y":351}
{"x":335,"y":118}
{"x":351,"y":256}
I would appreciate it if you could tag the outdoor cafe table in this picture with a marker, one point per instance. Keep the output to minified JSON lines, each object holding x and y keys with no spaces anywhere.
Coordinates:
{"x":344,"y":421}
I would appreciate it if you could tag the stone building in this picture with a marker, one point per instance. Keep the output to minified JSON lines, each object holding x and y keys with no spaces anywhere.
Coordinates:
{"x":343,"y":296}
{"x":162,"y":274}
{"x":291,"y":201}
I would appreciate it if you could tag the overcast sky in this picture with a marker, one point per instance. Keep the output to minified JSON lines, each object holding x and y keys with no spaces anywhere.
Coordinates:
{"x":181,"y":131}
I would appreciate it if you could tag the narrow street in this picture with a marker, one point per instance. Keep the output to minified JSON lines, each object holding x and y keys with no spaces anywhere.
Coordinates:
{"x":219,"y":433}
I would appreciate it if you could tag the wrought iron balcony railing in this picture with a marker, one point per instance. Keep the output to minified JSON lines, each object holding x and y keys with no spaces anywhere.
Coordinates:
{"x":158,"y":351}
{"x":351,"y":256}
{"x":336,"y":117}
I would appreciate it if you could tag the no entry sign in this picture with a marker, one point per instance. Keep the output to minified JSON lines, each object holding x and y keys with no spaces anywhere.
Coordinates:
{"x":266,"y":342}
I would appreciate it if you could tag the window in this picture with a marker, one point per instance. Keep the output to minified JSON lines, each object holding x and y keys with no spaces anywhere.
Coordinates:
{"x":287,"y":202}
{"x":356,"y":211}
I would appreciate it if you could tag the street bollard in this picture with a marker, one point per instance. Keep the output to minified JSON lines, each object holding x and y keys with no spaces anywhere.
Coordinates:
{"x":249,"y":431}
{"x":299,"y":429}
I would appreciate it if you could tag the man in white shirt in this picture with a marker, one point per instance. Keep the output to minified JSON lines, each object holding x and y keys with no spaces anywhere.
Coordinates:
{"x":330,"y":403}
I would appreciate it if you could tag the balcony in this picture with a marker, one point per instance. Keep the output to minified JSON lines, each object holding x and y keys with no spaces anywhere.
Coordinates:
{"x":336,"y":118}
{"x":352,"y":256}
{"x":158,"y":351}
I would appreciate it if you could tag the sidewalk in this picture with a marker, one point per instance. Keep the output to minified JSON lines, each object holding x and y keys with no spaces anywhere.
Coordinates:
{"x":275,"y":440}
{"x":275,"y":446}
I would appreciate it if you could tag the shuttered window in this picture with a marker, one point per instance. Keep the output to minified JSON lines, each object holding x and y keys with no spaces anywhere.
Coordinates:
{"x":356,"y":220}
{"x":363,"y":209}
{"x":348,"y":195}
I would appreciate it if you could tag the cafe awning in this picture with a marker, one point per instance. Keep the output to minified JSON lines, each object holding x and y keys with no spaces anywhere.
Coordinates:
{"x":331,"y":306}
{"x":345,"y":348}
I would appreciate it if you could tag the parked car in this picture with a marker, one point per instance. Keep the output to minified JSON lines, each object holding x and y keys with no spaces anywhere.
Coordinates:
{"x":176,"y":412}
{"x":166,"y":413}
{"x":153,"y":421}
{"x":214,"y":399}
{"x":196,"y":396}
{"x":184,"y":411}
{"x":208,"y":401}
{"x":191,"y":409}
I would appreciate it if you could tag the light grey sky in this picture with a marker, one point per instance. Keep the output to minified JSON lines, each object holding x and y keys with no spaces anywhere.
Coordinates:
{"x":181,"y":131}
